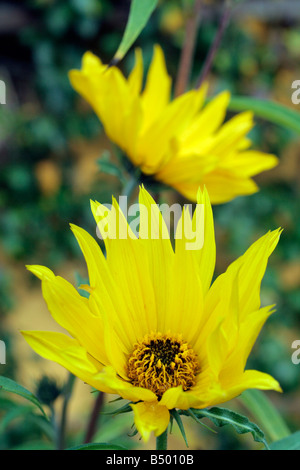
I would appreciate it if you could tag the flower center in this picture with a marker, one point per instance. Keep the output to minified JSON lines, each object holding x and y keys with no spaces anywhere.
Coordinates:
{"x":160,"y":362}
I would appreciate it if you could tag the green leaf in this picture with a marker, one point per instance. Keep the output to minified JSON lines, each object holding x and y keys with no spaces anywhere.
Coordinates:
{"x":112,"y":428}
{"x":110,"y":168}
{"x":269,"y":110}
{"x":266,"y":414}
{"x":16,"y":412}
{"x":97,"y":446}
{"x":222,"y":417}
{"x":33,"y":445}
{"x":291,"y":442}
{"x":9,"y":385}
{"x":140,"y":12}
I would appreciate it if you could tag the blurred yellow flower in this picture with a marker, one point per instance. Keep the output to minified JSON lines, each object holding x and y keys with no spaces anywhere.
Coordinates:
{"x":154,"y":330}
{"x":179,"y":142}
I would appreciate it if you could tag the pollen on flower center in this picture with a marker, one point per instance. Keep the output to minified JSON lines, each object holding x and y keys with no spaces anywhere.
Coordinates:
{"x":160,"y":362}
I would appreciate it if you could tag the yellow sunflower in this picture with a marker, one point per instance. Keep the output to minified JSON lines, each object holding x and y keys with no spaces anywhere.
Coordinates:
{"x":179,"y":143}
{"x":153,"y":329}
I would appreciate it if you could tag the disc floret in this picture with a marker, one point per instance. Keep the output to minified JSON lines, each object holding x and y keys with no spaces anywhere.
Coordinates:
{"x":161,"y":361}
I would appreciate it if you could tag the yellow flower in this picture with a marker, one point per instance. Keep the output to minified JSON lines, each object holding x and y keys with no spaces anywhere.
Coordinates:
{"x":154,"y":330}
{"x":179,"y":143}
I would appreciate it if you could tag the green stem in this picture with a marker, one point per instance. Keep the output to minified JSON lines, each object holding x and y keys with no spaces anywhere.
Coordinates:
{"x":162,"y":441}
{"x":54,"y":425}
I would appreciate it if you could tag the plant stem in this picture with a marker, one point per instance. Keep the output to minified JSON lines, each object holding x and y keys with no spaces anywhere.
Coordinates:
{"x":216,"y":43}
{"x":92,"y":426}
{"x":187,"y":53}
{"x":53,"y":421}
{"x":67,"y":395}
{"x":162,"y":441}
{"x":130,"y":186}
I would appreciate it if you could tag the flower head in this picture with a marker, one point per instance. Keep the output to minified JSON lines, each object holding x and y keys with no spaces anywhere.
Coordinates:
{"x":179,"y":143}
{"x":154,"y":330}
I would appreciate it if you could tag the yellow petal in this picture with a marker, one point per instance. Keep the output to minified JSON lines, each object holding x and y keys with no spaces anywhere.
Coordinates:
{"x":70,"y":310}
{"x":135,"y":79}
{"x":150,"y":417}
{"x":251,"y":379}
{"x":157,"y":90}
{"x":176,"y":397}
{"x":155,"y":143}
{"x":185,"y":304}
{"x":249,"y":163}
{"x":108,"y":379}
{"x":232,"y":133}
{"x":248,"y":332}
{"x":222,"y":186}
{"x":206,"y":123}
{"x":105,"y":294}
{"x":207,"y":255}
{"x":252,"y":266}
{"x":84,"y":81}
{"x":42,"y":272}
{"x":217,"y":349}
{"x":196,"y":238}
{"x":187,"y":169}
{"x":64,"y":350}
{"x":155,"y":241}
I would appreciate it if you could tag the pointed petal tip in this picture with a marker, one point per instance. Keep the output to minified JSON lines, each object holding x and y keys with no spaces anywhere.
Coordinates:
{"x":42,"y":272}
{"x":73,"y":227}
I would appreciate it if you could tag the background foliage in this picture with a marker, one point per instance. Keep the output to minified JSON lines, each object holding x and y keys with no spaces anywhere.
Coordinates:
{"x":50,"y":141}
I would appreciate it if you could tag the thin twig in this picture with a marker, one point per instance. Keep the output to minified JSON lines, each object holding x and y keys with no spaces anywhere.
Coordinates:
{"x":92,"y":425}
{"x":216,"y":43}
{"x":187,"y":53}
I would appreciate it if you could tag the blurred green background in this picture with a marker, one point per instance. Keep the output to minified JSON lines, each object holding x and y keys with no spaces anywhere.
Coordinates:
{"x":50,"y":141}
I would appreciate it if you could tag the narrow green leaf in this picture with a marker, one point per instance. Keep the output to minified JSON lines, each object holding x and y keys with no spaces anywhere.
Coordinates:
{"x":9,"y":385}
{"x":110,"y":168}
{"x":222,"y":417}
{"x":271,"y":111}
{"x":291,"y":442}
{"x":97,"y":446}
{"x":266,"y":414}
{"x":123,"y":409}
{"x":179,"y":422}
{"x":140,"y":12}
{"x":133,"y":432}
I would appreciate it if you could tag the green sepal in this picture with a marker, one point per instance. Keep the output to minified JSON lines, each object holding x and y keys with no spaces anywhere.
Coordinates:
{"x":175,"y":415}
{"x":123,"y":409}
